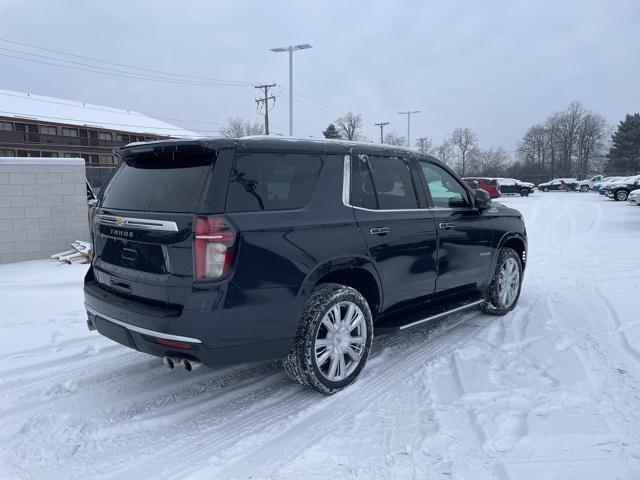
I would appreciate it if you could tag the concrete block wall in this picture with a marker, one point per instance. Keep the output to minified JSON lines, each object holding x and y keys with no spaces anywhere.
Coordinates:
{"x":43,"y":206}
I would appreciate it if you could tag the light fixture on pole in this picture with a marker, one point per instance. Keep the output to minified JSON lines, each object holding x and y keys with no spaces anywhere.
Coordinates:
{"x":408,"y":114}
{"x":291,"y":49}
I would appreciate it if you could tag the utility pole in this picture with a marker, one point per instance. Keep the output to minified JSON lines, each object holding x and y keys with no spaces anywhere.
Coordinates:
{"x":422,"y":140}
{"x":408,"y":114}
{"x":266,"y":99}
{"x":381,"y":125}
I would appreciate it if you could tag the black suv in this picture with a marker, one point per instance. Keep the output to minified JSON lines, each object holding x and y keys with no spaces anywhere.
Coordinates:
{"x":219,"y":251}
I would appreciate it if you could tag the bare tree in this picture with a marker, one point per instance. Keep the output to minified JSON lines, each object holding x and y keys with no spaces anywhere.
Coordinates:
{"x":591,"y":141}
{"x":568,"y":124}
{"x":425,"y":146}
{"x":237,"y":127}
{"x":465,"y":142}
{"x":350,"y":126}
{"x":392,"y":138}
{"x":492,"y":162}
{"x":444,"y":152}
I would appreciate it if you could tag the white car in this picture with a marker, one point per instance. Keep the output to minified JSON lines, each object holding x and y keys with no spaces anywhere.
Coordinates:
{"x":586,"y":185}
{"x":634,"y":197}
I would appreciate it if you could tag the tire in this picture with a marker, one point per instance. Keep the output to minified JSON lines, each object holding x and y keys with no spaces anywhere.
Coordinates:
{"x":621,"y":196}
{"x":545,"y":189}
{"x":502,"y":294}
{"x":311,"y":365}
{"x":584,"y":188}
{"x":524,"y":192}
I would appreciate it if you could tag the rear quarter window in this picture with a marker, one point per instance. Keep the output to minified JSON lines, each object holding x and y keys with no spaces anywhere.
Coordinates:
{"x":159,"y":182}
{"x":272,"y":181}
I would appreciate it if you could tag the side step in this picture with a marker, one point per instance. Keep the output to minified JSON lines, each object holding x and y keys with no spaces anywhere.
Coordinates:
{"x":403,"y":321}
{"x":442,"y":314}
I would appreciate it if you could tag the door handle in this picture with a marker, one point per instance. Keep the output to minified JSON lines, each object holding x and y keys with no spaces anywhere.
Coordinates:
{"x":445,"y":225}
{"x":379,"y":230}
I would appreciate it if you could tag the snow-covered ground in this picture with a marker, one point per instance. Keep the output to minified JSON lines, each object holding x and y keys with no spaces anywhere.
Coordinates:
{"x":551,"y":390}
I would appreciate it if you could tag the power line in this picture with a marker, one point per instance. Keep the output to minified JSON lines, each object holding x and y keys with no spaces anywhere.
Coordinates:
{"x":94,"y":59}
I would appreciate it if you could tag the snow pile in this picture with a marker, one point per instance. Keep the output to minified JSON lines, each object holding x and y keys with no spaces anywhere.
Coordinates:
{"x":548,"y":391}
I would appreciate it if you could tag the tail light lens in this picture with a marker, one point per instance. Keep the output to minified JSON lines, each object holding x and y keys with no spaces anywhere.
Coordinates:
{"x":214,"y":243}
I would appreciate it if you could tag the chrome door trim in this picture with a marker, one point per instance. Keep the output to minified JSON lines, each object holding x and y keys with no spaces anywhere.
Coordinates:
{"x":138,"y":223}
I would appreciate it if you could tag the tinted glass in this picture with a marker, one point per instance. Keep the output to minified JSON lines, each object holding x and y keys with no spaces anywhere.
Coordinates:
{"x":445,"y":190}
{"x":363,"y":193}
{"x":393,"y":184}
{"x":272,"y":181}
{"x":159,"y":182}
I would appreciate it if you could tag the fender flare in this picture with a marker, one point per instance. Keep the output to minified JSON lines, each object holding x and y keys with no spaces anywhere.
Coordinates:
{"x":334,"y":265}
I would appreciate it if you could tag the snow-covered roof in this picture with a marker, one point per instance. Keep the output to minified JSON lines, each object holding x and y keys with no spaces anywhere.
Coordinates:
{"x":27,"y":106}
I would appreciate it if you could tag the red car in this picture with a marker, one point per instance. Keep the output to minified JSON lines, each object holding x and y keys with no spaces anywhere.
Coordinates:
{"x":490,"y":185}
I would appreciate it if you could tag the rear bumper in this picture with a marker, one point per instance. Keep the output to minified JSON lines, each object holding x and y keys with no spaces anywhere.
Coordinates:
{"x":214,"y":333}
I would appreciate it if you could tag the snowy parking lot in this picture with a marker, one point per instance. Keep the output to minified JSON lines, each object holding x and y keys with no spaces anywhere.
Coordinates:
{"x":551,"y":390}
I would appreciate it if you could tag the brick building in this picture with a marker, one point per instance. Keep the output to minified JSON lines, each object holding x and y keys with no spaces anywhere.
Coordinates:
{"x":38,"y":126}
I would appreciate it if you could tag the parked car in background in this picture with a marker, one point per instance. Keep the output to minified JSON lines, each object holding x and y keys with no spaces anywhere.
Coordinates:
{"x":221,"y":251}
{"x":586,"y":185}
{"x":598,"y":185}
{"x":515,"y":187}
{"x":634,"y":197}
{"x":490,"y":185}
{"x":620,"y":189}
{"x":559,"y":184}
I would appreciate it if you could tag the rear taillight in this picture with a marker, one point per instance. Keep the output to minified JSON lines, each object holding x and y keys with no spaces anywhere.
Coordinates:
{"x":213,"y":248}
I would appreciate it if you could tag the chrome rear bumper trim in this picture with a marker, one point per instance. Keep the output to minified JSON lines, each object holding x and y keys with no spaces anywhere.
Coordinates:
{"x":141,"y":223}
{"x":144,"y":331}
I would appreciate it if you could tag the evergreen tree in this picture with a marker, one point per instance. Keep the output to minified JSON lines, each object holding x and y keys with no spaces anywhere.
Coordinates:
{"x":331,"y":132}
{"x":624,"y":154}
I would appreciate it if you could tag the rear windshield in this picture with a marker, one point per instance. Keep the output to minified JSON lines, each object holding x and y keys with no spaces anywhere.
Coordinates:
{"x":159,"y":182}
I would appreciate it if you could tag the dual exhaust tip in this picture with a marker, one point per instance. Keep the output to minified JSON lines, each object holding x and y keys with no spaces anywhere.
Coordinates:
{"x":188,"y":364}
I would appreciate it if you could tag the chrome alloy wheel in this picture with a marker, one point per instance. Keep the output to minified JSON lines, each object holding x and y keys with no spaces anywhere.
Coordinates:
{"x":340,"y":341}
{"x":508,"y":282}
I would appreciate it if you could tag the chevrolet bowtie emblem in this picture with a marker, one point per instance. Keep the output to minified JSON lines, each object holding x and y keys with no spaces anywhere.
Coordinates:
{"x":119,"y":221}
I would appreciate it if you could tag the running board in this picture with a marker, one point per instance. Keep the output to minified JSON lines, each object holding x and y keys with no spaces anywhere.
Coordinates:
{"x":442,"y":314}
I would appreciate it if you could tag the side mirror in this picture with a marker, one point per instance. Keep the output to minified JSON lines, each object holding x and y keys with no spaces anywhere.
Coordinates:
{"x":483,"y":199}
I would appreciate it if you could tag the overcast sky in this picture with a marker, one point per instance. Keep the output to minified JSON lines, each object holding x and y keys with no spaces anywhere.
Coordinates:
{"x":494,"y":66}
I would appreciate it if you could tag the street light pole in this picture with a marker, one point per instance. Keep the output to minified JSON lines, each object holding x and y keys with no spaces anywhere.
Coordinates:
{"x":408,"y":114}
{"x":291,"y":49}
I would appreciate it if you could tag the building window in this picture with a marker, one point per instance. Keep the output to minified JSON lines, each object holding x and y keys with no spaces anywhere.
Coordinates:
{"x":50,"y":154}
{"x":106,"y":159}
{"x":121,"y":137}
{"x":7,"y":153}
{"x":47,"y":130}
{"x":6,"y":126}
{"x":105,"y":136}
{"x":69,"y":132}
{"x":34,"y":154}
{"x":70,"y":155}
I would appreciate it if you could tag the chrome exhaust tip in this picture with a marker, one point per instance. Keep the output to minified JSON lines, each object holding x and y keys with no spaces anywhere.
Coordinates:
{"x":171,"y":362}
{"x":190,"y":365}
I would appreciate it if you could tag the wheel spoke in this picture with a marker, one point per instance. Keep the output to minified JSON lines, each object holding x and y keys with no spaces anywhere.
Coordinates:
{"x":323,"y":342}
{"x":343,"y":366}
{"x":333,"y":366}
{"x":356,"y":340}
{"x":357,"y":319}
{"x":355,"y":356}
{"x":320,"y":361}
{"x":351,"y":310}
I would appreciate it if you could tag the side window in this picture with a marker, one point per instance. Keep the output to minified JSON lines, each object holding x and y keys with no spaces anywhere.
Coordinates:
{"x":363,"y":194}
{"x":445,"y":189}
{"x":392,"y":183}
{"x":272,"y":181}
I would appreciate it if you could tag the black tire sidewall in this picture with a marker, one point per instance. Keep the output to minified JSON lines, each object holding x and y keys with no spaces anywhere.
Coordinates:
{"x":492,"y":297}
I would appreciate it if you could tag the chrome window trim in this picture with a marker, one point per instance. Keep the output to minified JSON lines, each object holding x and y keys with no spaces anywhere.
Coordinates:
{"x":346,"y":186}
{"x":144,"y":331}
{"x":140,"y":223}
